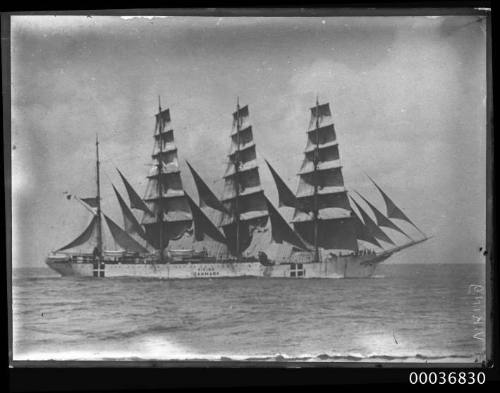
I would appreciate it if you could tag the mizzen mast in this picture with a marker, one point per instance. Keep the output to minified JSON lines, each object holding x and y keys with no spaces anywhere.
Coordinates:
{"x":99,"y":223}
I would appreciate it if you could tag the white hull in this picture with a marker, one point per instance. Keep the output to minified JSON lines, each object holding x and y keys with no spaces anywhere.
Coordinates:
{"x":354,"y":266}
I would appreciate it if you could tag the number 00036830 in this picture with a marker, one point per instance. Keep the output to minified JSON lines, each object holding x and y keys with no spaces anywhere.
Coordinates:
{"x":452,"y":378}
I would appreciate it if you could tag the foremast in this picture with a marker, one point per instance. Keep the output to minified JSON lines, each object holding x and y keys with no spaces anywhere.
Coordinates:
{"x":323,"y":215}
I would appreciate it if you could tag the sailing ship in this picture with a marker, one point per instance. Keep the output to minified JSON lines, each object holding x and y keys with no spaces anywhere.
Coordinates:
{"x":243,"y":233}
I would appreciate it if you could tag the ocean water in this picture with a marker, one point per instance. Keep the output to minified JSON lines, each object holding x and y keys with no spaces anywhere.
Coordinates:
{"x":406,"y":313}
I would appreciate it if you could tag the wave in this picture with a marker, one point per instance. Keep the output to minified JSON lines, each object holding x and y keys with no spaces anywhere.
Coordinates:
{"x":356,"y":357}
{"x":153,"y":348}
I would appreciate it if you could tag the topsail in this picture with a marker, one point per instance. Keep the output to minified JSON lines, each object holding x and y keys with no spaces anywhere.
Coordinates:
{"x":171,"y":215}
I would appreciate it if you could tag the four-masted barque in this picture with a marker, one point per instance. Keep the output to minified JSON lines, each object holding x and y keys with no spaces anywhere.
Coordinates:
{"x":243,"y":233}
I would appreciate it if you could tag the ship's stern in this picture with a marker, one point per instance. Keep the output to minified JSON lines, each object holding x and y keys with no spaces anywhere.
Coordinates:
{"x":65,"y":266}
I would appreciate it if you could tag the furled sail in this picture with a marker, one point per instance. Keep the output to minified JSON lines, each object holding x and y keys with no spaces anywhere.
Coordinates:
{"x":202,"y":224}
{"x":326,"y":220}
{"x":165,"y":198}
{"x":123,"y":239}
{"x":372,"y":226}
{"x":207,"y":197}
{"x":130,"y":223}
{"x":382,"y":220}
{"x":392,"y":210}
{"x":85,"y":236}
{"x":281,"y":231}
{"x":285,"y":195}
{"x":136,"y":201}
{"x":243,"y":195}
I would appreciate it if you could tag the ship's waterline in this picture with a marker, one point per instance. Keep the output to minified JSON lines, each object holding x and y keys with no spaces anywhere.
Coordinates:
{"x":342,"y":267}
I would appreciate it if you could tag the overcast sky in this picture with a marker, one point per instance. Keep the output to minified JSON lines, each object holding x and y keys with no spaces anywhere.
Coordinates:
{"x":407,"y":96}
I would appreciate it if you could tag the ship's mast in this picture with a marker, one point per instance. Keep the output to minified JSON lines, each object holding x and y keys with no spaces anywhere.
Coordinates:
{"x":236,"y":177}
{"x":315,"y":207}
{"x":160,"y":191}
{"x":99,"y":227}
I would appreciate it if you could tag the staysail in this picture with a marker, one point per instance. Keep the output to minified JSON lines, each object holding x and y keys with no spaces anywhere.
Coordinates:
{"x":89,"y":233}
{"x":123,"y":239}
{"x":136,"y":201}
{"x":165,"y":197}
{"x":130,"y":223}
{"x":373,"y":229}
{"x":326,"y":220}
{"x":207,"y":197}
{"x":281,"y":231}
{"x":382,"y":220}
{"x":285,"y":196}
{"x":362,"y":231}
{"x":243,"y":195}
{"x":392,"y":210}
{"x":202,"y":224}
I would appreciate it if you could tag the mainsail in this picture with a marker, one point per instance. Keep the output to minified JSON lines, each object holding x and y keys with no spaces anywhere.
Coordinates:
{"x":243,"y":195}
{"x":326,"y":220}
{"x":382,"y":220}
{"x":165,"y":197}
{"x":392,"y":210}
